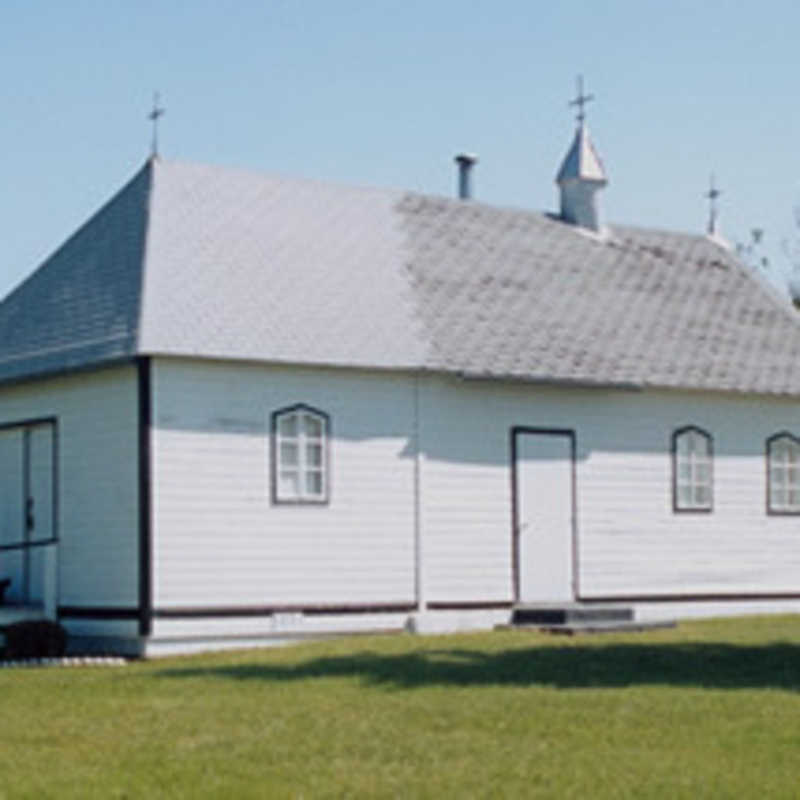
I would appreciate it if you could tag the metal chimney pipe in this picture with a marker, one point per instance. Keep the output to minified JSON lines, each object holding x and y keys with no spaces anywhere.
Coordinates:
{"x":465,"y":163}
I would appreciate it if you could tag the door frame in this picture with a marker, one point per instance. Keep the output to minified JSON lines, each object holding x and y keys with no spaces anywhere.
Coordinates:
{"x":27,"y":542}
{"x":519,"y":430}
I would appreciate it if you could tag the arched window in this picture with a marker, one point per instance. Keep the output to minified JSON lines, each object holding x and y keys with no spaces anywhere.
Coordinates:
{"x":783,"y":474}
{"x":300,"y":455}
{"x":692,"y":462}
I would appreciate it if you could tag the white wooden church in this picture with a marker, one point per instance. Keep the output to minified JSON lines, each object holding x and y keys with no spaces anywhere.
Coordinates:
{"x":237,"y":408}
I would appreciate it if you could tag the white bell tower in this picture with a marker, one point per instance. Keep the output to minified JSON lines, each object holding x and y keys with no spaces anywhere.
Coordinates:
{"x":581,"y":174}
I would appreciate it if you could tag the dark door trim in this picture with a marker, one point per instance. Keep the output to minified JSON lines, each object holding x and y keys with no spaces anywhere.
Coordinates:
{"x":516,"y":431}
{"x":145,"y":498}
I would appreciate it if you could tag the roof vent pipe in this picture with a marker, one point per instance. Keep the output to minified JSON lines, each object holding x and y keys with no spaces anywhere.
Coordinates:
{"x":465,"y":162}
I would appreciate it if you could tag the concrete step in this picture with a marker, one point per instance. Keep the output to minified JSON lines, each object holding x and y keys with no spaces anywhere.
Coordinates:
{"x":570,"y":629}
{"x":541,"y":614}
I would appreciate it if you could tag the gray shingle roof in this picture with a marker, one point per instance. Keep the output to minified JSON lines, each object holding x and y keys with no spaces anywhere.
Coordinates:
{"x":81,"y":306}
{"x":254,"y":267}
{"x":199,"y":261}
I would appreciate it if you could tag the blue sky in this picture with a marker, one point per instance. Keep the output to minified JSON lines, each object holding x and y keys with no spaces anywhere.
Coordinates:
{"x":385,"y":93}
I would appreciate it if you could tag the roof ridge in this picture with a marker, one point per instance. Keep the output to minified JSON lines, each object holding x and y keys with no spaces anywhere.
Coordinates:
{"x":266,"y":174}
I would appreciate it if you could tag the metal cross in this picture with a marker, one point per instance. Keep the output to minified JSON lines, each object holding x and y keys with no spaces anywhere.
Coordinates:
{"x":711,"y":195}
{"x":153,"y":116}
{"x":581,"y":100}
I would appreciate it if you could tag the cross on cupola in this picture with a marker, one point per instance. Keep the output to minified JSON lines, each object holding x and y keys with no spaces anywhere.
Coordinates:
{"x":581,"y":100}
{"x":154,"y":115}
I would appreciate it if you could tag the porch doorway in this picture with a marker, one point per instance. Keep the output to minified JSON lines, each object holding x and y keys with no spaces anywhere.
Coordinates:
{"x":27,"y":508}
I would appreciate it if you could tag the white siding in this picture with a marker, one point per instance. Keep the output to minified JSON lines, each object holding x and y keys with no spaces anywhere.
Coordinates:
{"x":630,"y":540}
{"x":465,"y":493}
{"x":96,"y":417}
{"x":218,"y":538}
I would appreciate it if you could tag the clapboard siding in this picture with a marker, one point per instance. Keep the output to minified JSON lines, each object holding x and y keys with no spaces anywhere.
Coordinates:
{"x":630,"y":540}
{"x":97,"y":420}
{"x":650,"y":550}
{"x":466,"y":493}
{"x":219,"y":540}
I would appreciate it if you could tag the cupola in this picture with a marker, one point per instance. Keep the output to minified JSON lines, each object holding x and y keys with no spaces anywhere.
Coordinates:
{"x":581,"y":174}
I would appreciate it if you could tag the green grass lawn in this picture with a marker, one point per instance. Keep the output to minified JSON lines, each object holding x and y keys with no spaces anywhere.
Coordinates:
{"x":705,"y":710}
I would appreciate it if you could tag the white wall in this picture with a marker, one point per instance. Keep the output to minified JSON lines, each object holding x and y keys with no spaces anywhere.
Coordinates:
{"x":97,"y":422}
{"x":631,"y":542}
{"x":219,"y":540}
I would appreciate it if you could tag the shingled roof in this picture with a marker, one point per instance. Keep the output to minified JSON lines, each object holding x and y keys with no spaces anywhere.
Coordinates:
{"x":199,"y":261}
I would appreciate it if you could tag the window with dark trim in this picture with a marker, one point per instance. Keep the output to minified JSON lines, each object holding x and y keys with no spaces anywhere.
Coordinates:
{"x":300,"y":455}
{"x":692,"y":469}
{"x":783,"y":474}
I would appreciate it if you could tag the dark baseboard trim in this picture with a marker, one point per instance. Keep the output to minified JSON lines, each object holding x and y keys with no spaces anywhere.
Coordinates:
{"x":195,"y":612}
{"x":97,"y":612}
{"x":469,"y":605}
{"x":690,"y":598}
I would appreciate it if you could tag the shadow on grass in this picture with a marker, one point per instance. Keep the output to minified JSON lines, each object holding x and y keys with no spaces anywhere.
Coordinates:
{"x":705,"y":665}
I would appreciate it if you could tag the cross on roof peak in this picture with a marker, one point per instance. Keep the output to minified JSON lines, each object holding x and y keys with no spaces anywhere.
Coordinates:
{"x":154,"y":115}
{"x":581,"y":100}
{"x":711,"y":195}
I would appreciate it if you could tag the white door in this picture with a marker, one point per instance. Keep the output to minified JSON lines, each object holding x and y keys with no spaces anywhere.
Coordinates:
{"x":543,"y":476}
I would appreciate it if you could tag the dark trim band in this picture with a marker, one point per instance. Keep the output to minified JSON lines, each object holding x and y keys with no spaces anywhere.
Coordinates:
{"x":28,"y":545}
{"x":98,"y":612}
{"x":31,"y":422}
{"x":192,"y":612}
{"x":689,"y":598}
{"x":470,"y":605}
{"x":145,"y":533}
